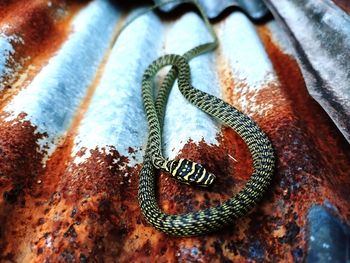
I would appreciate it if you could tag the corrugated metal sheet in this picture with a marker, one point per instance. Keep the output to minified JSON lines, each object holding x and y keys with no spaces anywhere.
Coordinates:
{"x":73,"y":131}
{"x":256,"y":9}
{"x":323,"y":50}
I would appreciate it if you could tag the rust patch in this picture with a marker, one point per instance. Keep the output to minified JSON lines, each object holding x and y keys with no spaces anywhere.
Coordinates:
{"x":91,"y":203}
{"x":19,"y":151}
{"x":93,"y":214}
{"x":83,"y":212}
{"x":343,"y":4}
{"x":330,"y":149}
{"x":230,"y":158}
{"x":55,"y":224}
{"x":43,"y":28}
{"x":6,"y":6}
{"x":20,"y":164}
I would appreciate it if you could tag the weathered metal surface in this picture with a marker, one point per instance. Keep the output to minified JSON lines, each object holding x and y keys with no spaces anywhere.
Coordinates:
{"x":73,"y":131}
{"x":256,"y":9}
{"x":329,"y":237}
{"x":322,"y":47}
{"x":343,"y":4}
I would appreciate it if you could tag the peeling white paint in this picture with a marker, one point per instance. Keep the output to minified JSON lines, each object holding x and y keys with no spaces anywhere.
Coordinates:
{"x":248,"y":61}
{"x":6,"y":50}
{"x":244,"y":50}
{"x":183,"y":121}
{"x":6,"y":53}
{"x":116,"y":116}
{"x":116,"y":113}
{"x":52,"y":98}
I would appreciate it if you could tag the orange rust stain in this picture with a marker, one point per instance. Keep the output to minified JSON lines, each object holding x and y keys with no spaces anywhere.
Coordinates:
{"x":7,"y":6}
{"x":18,"y":150}
{"x":20,"y":164}
{"x":333,"y":150}
{"x":95,"y":207}
{"x":43,"y":29}
{"x":231,"y":163}
{"x":263,"y":103}
{"x":51,"y":198}
{"x":343,"y":4}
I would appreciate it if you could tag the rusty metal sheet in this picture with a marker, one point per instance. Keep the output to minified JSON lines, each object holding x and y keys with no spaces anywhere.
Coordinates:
{"x":73,"y":131}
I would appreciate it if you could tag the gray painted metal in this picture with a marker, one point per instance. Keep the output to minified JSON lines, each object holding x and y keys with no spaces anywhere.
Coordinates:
{"x":328,"y":236}
{"x":256,"y":9}
{"x":320,"y":34}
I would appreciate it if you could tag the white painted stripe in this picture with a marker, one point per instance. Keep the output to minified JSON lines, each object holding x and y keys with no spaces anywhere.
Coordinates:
{"x":245,"y":55}
{"x":52,"y":98}
{"x":183,"y":121}
{"x":116,"y":116}
{"x":6,"y":53}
